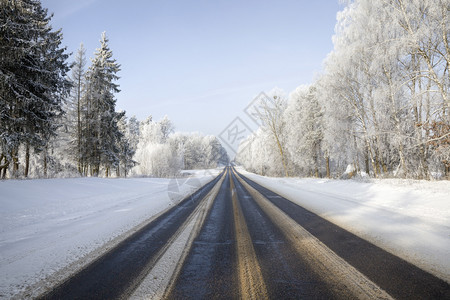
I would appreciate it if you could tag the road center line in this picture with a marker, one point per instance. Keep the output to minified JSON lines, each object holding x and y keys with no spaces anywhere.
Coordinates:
{"x":251,"y":282}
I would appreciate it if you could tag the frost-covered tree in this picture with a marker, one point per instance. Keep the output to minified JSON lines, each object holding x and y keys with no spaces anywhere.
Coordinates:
{"x":126,"y":149}
{"x":32,"y":82}
{"x":338,"y":141}
{"x":75,"y":109}
{"x":390,"y":67}
{"x":101,"y":133}
{"x":304,"y":119}
{"x":162,"y":153}
{"x":153,"y":155}
{"x":133,"y":132}
{"x":166,"y":128}
{"x":203,"y":152}
{"x":270,"y":112}
{"x":157,"y":160}
{"x":216,"y":153}
{"x":381,"y":104}
{"x":259,"y":154}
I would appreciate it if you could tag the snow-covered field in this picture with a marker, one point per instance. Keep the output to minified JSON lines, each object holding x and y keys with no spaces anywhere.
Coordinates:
{"x":409,"y":218}
{"x":51,"y":227}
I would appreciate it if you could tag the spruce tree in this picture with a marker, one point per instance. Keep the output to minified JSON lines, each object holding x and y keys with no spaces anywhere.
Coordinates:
{"x":101,"y":131}
{"x":126,"y":149}
{"x":32,"y":81}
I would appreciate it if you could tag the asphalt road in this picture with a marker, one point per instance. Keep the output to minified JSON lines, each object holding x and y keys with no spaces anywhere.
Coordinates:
{"x":237,"y":239}
{"x":208,"y":271}
{"x":399,"y":278}
{"x":118,"y":272}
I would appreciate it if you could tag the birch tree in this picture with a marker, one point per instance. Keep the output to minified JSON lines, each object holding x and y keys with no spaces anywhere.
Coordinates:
{"x":270,"y":112}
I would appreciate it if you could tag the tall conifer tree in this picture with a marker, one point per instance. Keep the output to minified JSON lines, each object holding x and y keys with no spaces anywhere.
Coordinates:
{"x":32,"y":81}
{"x":101,"y":130}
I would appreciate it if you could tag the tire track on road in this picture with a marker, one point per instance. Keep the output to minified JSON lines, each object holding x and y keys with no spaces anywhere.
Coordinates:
{"x":341,"y":276}
{"x":160,"y":279}
{"x":251,"y":281}
{"x":209,"y":269}
{"x":400,"y":279}
{"x":114,"y":274}
{"x":286,"y":274}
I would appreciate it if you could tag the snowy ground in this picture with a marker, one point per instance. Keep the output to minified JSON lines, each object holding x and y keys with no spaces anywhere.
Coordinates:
{"x":409,"y":218}
{"x":51,"y":227}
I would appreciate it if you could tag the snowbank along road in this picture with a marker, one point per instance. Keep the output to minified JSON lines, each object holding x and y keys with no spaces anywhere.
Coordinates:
{"x":236,"y":239}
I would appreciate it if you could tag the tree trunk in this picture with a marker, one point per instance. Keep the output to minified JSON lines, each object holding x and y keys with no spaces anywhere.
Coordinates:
{"x":355,"y":145}
{"x":283,"y":160}
{"x":424,"y":161}
{"x":27,"y":159}
{"x":3,"y":172}
{"x":3,"y":166}
{"x":79,"y":124}
{"x":327,"y":164}
{"x":372,"y":160}
{"x":377,"y":162}
{"x":316,"y":160}
{"x":366,"y":161}
{"x":377,"y":144}
{"x":15,"y":159}
{"x":45,"y":161}
{"x":397,"y":122}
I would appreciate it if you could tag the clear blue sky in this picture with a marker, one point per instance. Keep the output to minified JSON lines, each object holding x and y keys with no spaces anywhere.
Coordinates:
{"x":201,"y":62}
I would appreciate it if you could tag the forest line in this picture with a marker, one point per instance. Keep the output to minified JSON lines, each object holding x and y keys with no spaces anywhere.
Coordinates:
{"x":380,"y":106}
{"x":59,"y":118}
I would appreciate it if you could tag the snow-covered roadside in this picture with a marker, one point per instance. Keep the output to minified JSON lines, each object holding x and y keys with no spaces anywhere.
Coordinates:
{"x":406,"y":217}
{"x":48,"y":225}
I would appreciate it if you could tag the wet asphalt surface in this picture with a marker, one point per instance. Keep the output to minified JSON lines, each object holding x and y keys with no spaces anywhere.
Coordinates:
{"x":119,"y":271}
{"x":399,"y":278}
{"x":210,"y":268}
{"x":286,"y":274}
{"x":208,"y":271}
